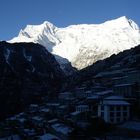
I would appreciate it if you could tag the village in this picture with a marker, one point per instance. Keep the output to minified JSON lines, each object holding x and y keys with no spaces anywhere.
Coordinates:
{"x":109,"y":99}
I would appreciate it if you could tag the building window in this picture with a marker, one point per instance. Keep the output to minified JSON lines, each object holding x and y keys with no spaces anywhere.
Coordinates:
{"x":118,"y":114}
{"x":102,"y":107}
{"x":124,"y":108}
{"x":102,"y":114}
{"x":125,"y":114}
{"x":118,"y":108}
{"x":111,"y":108}
{"x":118,"y":119}
{"x":111,"y":119}
{"x":125,"y":118}
{"x":111,"y":114}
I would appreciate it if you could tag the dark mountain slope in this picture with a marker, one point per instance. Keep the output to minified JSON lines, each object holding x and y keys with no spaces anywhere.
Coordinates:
{"x":126,"y":59}
{"x":27,"y":72}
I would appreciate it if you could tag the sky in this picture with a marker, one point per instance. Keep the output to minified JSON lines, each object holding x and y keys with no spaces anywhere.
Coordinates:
{"x":16,"y":14}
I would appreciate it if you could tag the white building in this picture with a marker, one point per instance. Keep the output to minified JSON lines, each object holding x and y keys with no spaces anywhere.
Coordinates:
{"x":114,"y":109}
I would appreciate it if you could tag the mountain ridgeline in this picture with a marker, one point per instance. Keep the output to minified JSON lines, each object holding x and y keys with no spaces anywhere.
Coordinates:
{"x":128,"y":59}
{"x":83,"y":44}
{"x":71,"y":55}
{"x":27,"y":72}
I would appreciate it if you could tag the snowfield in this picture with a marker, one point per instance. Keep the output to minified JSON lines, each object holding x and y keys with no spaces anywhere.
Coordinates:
{"x":83,"y":44}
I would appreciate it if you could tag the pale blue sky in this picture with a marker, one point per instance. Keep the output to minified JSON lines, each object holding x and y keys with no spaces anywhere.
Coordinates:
{"x":16,"y":14}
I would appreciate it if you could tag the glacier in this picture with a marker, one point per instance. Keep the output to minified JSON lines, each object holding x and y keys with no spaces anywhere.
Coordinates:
{"x":83,"y":44}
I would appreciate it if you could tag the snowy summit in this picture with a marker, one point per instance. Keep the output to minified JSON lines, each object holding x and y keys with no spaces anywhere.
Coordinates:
{"x":83,"y":44}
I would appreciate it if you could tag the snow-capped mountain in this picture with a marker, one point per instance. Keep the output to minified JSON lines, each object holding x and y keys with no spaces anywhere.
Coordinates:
{"x":83,"y":44}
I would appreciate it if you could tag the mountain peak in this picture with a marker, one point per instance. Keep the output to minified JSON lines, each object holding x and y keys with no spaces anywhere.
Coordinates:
{"x":130,"y":22}
{"x":34,"y":30}
{"x":122,"y":22}
{"x":82,"y":45}
{"x":47,"y":23}
{"x":122,"y":18}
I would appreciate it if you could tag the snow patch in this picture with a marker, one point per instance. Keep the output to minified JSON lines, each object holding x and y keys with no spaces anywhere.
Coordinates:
{"x":7,"y":54}
{"x":28,"y":57}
